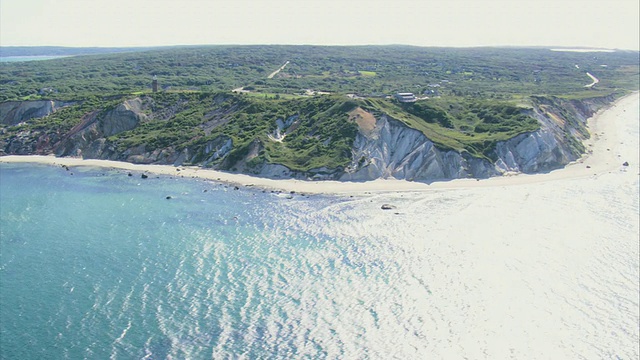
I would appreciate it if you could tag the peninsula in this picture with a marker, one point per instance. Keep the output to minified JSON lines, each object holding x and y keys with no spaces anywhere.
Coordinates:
{"x":328,"y":113}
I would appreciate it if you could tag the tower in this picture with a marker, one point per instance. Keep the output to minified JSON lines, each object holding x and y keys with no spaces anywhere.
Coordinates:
{"x":154,"y":84}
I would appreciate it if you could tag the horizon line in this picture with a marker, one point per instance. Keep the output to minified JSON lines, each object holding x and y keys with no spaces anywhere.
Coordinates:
{"x":551,"y":47}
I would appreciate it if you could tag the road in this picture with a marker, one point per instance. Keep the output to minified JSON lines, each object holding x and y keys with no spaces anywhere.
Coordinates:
{"x":277,"y":71}
{"x":595,"y":80}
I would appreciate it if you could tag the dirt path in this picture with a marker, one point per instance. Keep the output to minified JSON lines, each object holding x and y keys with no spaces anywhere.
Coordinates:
{"x":277,"y":71}
{"x":595,"y":80}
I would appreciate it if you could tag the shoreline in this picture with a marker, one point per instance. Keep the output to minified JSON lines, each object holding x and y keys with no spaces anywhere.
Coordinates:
{"x":603,"y":156}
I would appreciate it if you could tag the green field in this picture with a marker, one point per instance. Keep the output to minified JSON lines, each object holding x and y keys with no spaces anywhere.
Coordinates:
{"x":367,"y":73}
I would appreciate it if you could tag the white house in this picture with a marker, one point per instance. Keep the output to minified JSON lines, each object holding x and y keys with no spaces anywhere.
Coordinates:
{"x":406,"y":97}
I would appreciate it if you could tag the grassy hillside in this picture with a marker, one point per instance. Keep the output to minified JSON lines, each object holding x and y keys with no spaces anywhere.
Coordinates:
{"x":470,"y":98}
{"x":320,"y":133}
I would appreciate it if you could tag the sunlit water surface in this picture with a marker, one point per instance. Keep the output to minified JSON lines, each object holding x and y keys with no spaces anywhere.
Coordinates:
{"x":96,"y":264}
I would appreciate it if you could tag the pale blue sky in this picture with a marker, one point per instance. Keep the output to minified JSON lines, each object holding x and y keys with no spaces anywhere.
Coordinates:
{"x":590,"y":23}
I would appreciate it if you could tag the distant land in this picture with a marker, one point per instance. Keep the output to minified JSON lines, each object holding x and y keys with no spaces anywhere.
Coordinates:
{"x":11,"y":51}
{"x":313,"y":112}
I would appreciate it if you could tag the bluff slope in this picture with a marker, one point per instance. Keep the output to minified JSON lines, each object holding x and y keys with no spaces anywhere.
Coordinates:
{"x":316,"y":139}
{"x":391,"y":149}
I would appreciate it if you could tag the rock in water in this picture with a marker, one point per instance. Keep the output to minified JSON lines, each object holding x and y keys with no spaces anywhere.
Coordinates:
{"x":388,"y":207}
{"x":625,"y":163}
{"x":144,"y":176}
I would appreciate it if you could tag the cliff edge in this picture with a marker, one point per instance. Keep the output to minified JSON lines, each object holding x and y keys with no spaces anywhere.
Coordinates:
{"x":381,"y":146}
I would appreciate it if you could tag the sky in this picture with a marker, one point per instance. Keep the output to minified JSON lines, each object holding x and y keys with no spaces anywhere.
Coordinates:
{"x":116,"y":23}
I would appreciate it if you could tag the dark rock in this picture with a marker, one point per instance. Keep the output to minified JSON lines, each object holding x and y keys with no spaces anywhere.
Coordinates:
{"x":588,"y":167}
{"x":205,"y":190}
{"x":129,"y":174}
{"x":388,"y":207}
{"x":144,"y":176}
{"x":236,"y":188}
{"x":625,"y":163}
{"x":168,"y":197}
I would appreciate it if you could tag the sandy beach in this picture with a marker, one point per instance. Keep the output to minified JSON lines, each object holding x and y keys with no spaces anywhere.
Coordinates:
{"x":607,"y":151}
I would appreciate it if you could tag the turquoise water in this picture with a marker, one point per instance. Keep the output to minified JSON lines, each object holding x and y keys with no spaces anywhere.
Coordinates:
{"x":96,"y":264}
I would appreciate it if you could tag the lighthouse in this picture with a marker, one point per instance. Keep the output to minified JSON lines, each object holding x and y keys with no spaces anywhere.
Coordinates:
{"x":154,"y":84}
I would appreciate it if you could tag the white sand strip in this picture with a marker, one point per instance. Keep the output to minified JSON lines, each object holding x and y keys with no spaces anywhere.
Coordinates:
{"x":605,"y":156}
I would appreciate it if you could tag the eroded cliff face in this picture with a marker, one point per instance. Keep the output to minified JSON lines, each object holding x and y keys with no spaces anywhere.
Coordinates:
{"x":389,"y":149}
{"x":563,"y":127}
{"x":392,"y":150}
{"x":87,"y":139}
{"x":15,"y":112}
{"x":383,"y":147}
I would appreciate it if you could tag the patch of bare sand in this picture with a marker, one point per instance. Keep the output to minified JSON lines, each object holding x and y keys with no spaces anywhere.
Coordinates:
{"x":365,"y":120}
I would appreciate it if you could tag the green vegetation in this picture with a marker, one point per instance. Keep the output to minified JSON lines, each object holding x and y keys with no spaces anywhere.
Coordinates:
{"x":472,"y":98}
{"x":321,"y":135}
{"x":480,"y":73}
{"x":466,"y":126}
{"x":367,"y":73}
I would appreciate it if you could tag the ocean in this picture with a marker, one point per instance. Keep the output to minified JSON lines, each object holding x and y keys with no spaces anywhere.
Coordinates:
{"x":30,"y":58}
{"x":96,"y":264}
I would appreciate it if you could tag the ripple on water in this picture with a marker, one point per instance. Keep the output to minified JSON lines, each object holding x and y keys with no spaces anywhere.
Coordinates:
{"x":242,"y":273}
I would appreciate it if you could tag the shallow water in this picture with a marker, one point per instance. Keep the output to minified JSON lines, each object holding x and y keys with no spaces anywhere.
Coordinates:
{"x":101,"y":265}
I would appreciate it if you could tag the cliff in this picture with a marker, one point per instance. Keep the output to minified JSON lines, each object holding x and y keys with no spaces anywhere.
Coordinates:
{"x":87,"y":138}
{"x":15,"y":112}
{"x":381,"y":147}
{"x":389,"y":149}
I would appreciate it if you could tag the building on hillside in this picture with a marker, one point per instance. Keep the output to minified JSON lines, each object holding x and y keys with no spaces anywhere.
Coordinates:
{"x":406,"y":97}
{"x":431,"y":92}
